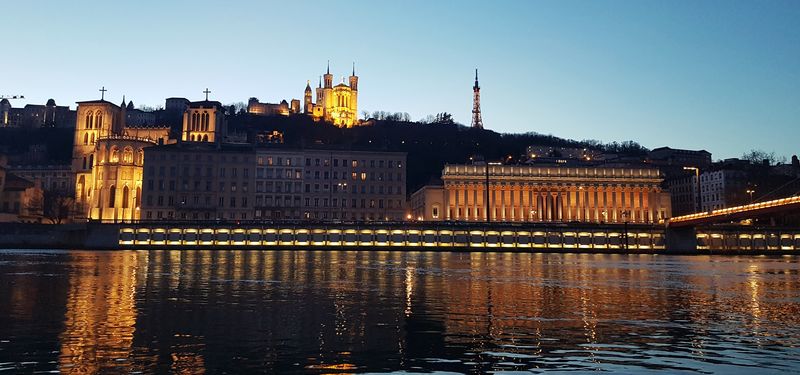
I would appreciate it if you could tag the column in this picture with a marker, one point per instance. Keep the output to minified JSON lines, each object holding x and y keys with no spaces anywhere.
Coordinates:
{"x":450,"y":202}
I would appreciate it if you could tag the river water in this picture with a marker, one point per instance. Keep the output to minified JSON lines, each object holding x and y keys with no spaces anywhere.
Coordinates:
{"x":402,"y":312}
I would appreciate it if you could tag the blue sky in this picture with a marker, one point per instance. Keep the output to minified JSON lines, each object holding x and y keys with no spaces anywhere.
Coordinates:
{"x":718,"y":75}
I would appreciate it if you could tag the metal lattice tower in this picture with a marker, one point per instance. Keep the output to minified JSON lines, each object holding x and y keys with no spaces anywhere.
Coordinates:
{"x":477,"y":122}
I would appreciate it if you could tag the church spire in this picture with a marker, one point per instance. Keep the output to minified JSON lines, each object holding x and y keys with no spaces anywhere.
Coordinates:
{"x":329,"y":67}
{"x":354,"y":68}
{"x":123,"y":105}
{"x":320,"y":81}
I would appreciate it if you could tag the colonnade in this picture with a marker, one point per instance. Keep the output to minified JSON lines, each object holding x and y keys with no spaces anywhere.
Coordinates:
{"x":543,"y":202}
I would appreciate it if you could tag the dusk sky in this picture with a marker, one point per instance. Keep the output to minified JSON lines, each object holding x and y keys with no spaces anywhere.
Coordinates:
{"x":717,"y":75}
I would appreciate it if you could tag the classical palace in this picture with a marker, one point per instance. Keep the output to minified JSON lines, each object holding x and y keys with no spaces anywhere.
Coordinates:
{"x":543,"y":194}
{"x":337,"y":104}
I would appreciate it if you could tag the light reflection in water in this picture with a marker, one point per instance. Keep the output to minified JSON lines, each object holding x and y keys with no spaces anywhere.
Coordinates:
{"x":317,"y":311}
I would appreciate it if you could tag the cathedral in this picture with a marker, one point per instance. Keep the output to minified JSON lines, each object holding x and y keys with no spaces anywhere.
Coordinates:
{"x":108,"y":153}
{"x":336,"y":104}
{"x":108,"y":158}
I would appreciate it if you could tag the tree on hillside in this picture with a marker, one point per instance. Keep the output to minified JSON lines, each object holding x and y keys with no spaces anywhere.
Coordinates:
{"x":760,"y":157}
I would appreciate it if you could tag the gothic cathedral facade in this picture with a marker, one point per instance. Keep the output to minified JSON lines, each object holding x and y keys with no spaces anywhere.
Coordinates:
{"x":107,"y":159}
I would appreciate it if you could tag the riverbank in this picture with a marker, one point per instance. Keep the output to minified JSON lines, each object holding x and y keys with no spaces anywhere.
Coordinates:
{"x":474,"y":237}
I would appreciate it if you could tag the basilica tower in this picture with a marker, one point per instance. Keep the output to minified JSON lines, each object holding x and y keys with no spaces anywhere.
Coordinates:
{"x":354,"y":97}
{"x":307,"y":100}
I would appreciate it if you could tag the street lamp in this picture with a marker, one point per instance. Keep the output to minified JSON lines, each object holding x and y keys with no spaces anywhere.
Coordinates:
{"x":750,"y":191}
{"x":697,"y":176}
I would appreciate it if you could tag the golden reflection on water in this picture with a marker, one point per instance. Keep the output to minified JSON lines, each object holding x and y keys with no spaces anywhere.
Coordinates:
{"x":142,"y":311}
{"x":100,"y":315}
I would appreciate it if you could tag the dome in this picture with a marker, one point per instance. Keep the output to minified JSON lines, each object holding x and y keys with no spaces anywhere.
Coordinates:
{"x":5,"y":102}
{"x":51,"y":102}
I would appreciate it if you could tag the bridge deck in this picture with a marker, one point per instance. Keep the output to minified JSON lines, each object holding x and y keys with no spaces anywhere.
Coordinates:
{"x":736,"y":213}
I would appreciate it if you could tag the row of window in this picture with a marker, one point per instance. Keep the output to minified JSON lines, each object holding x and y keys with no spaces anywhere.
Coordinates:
{"x":196,"y":201}
{"x":196,"y":186}
{"x":288,"y":161}
{"x":199,"y":122}
{"x":199,"y":157}
{"x":355,"y":163}
{"x":369,"y":216}
{"x":112,"y":197}
{"x":93,"y":120}
{"x":194,"y":215}
{"x":198,"y":172}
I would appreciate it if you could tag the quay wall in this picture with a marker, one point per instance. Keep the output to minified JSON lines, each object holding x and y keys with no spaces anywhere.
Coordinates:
{"x":404,"y":236}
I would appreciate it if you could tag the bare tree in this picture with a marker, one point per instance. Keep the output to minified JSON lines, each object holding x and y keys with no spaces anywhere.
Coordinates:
{"x":58,"y":205}
{"x":760,"y":156}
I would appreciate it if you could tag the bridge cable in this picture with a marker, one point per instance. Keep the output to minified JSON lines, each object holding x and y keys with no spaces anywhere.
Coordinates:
{"x":778,"y":188}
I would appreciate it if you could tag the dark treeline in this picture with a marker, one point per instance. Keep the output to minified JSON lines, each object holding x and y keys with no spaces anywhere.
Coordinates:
{"x":429,"y":145}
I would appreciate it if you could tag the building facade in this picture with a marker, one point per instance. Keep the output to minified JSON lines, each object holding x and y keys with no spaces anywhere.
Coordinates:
{"x":665,"y":156}
{"x":354,"y":185}
{"x":204,"y":121}
{"x":198,"y":181}
{"x":552,"y":194}
{"x":138,"y":117}
{"x":108,"y":159}
{"x":271,"y":109}
{"x":48,"y":115}
{"x":683,"y":193}
{"x":20,"y":199}
{"x":722,"y":189}
{"x":427,"y":204}
{"x":52,"y":177}
{"x":203,"y":181}
{"x":336,"y":104}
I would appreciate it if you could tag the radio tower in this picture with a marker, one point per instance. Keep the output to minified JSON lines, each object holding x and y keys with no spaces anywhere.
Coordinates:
{"x":476,"y":104}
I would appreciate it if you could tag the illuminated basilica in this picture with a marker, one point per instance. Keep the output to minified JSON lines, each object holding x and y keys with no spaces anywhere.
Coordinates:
{"x":336,"y":104}
{"x":108,"y":158}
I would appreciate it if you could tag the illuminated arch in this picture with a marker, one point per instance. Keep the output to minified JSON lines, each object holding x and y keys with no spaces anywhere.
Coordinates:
{"x":114,"y":156}
{"x":89,"y":117}
{"x":125,"y":196}
{"x":127,"y":155}
{"x":112,"y":195}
